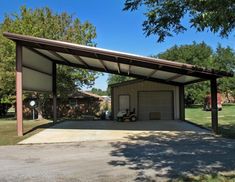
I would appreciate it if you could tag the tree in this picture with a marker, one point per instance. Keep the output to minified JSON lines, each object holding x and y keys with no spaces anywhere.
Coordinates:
{"x":197,"y":54}
{"x":112,"y":79}
{"x":224,"y":59}
{"x":202,"y":55}
{"x":165,"y":17}
{"x":98,"y":91}
{"x":42,"y":22}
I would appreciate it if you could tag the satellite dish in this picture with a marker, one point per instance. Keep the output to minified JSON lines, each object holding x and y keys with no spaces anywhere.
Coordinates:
{"x":32,"y":103}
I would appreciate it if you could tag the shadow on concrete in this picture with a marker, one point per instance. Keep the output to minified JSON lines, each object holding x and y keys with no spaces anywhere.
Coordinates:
{"x":173,"y":155}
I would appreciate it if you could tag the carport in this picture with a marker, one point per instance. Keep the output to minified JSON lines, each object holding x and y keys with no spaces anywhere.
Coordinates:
{"x":36,"y":60}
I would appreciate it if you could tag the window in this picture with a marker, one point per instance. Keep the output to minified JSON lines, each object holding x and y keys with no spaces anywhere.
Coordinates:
{"x":124,"y":102}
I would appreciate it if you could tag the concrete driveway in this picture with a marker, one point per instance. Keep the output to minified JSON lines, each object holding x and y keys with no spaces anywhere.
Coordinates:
{"x":77,"y":131}
{"x":146,"y":156}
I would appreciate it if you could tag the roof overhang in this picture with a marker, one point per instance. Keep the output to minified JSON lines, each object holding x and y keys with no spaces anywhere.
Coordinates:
{"x":108,"y":61}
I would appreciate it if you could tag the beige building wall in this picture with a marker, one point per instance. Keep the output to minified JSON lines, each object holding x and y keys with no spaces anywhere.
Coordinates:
{"x":133,"y":89}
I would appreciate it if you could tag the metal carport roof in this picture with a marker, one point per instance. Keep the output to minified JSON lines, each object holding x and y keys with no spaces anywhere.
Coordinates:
{"x":114,"y":62}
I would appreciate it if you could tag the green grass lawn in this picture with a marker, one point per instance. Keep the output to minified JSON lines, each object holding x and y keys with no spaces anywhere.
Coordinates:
{"x":8,"y":134}
{"x":216,"y":177}
{"x":226,"y":119}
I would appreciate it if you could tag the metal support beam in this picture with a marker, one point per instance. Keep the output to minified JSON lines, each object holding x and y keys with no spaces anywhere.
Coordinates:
{"x":122,"y":73}
{"x":214,"y":107}
{"x":152,"y":73}
{"x":129,"y":70}
{"x":81,"y":60}
{"x":54,"y":92}
{"x":182,"y":102}
{"x":103,"y":65}
{"x":37,"y":70}
{"x":112,"y":102}
{"x":59,"y":56}
{"x":19,"y":101}
{"x":119,"y":68}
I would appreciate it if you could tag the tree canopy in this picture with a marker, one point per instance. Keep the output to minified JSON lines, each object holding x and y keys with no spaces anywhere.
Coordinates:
{"x":98,"y":91}
{"x":112,"y":79}
{"x":165,"y":17}
{"x":200,"y":54}
{"x":196,"y":54}
{"x":42,"y":22}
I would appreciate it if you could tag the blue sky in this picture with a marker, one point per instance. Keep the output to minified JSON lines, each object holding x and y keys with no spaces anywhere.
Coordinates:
{"x":116,"y":29}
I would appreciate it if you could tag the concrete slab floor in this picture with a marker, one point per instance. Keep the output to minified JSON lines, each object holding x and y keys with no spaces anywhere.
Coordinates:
{"x":77,"y":131}
{"x":147,"y":156}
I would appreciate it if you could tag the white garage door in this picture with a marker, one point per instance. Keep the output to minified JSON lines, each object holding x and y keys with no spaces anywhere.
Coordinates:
{"x":155,"y":105}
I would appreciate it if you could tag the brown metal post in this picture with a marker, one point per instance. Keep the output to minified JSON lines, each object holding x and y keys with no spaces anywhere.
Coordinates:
{"x":54,"y":92}
{"x":181,"y":103}
{"x":19,"y":102}
{"x":214,"y":107}
{"x":112,"y":103}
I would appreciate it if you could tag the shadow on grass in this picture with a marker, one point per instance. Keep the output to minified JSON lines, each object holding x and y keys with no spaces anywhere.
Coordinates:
{"x":173,"y":155}
{"x":227,"y":131}
{"x":7,"y":118}
{"x":229,"y":104}
{"x":212,"y":177}
{"x":195,"y":106}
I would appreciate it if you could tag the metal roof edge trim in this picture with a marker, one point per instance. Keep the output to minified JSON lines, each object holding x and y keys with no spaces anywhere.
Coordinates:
{"x":37,"y":40}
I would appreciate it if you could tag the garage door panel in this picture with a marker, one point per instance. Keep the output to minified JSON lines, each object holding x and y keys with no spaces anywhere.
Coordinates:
{"x":155,"y":102}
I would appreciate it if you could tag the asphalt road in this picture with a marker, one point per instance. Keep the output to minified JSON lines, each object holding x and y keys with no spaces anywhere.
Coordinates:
{"x":148,"y":156}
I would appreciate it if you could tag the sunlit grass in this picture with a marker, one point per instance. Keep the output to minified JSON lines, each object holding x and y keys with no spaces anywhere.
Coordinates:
{"x":217,"y":177}
{"x":226,"y":119}
{"x":8,"y":134}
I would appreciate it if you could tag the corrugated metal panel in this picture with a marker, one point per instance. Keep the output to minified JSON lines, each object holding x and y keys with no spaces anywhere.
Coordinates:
{"x":47,"y":53}
{"x":70,"y":58}
{"x":92,"y":62}
{"x":32,"y":60}
{"x":124,"y":67}
{"x":141,"y":70}
{"x":184,"y":79}
{"x":36,"y":81}
{"x":111,"y":66}
{"x":163,"y":74}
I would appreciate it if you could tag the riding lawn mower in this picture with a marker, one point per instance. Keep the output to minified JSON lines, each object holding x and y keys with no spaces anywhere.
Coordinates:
{"x":123,"y":116}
